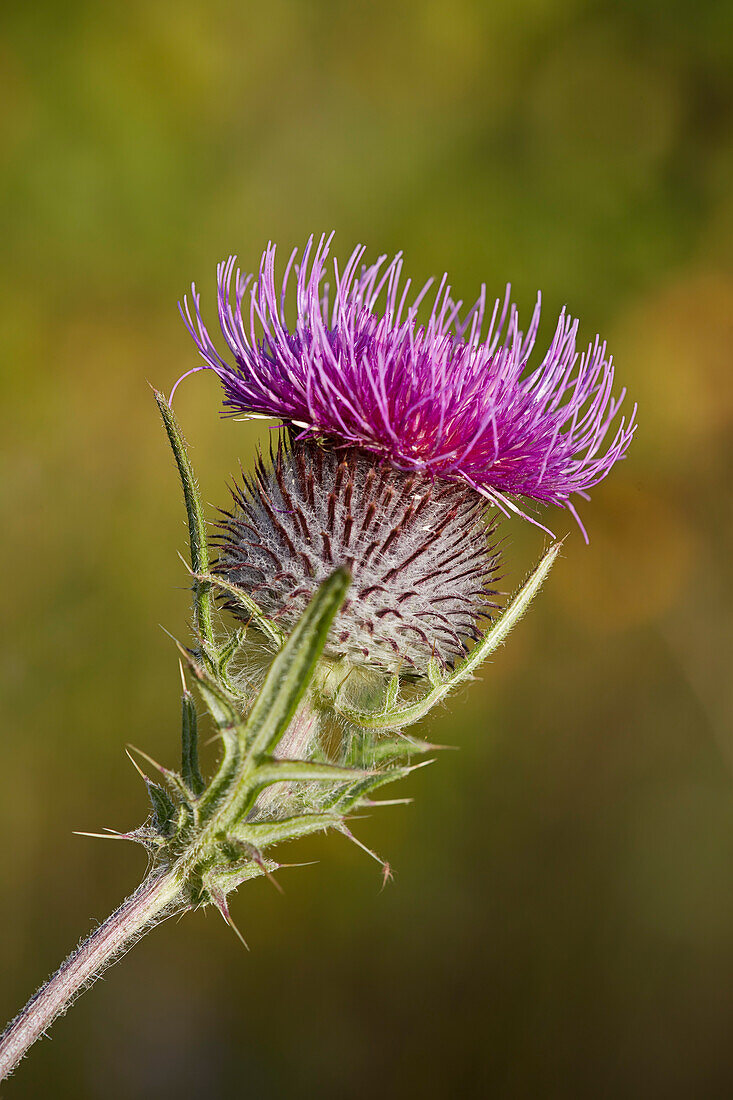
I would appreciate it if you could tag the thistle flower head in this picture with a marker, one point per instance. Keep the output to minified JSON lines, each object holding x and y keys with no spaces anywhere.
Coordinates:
{"x":418,"y":551}
{"x":452,"y":396}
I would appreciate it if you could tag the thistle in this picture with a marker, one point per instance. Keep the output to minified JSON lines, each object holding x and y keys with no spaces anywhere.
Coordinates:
{"x":441,"y":396}
{"x":350,"y":584}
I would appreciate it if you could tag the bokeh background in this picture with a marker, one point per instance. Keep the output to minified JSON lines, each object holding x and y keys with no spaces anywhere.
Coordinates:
{"x":561,"y":923}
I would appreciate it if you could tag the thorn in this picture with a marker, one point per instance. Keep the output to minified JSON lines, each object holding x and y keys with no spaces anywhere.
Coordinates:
{"x":154,"y":763}
{"x":423,"y":746}
{"x":249,"y":621}
{"x":183,"y":676}
{"x":103,"y":836}
{"x":216,"y":737}
{"x":185,"y":653}
{"x":342,"y":682}
{"x":257,"y":857}
{"x":220,"y":901}
{"x":387,"y":801}
{"x":386,"y":869}
{"x":427,"y":746}
{"x":186,"y":566}
{"x":416,"y":767}
{"x":136,"y":766}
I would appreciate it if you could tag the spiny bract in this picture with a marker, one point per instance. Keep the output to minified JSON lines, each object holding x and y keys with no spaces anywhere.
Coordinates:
{"x":418,"y":551}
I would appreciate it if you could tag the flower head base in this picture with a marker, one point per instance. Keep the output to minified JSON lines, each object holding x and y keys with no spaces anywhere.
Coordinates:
{"x":418,"y":551}
{"x":440,"y":396}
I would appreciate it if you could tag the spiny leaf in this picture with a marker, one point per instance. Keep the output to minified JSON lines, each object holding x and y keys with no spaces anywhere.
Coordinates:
{"x":249,"y":854}
{"x":294,"y":771}
{"x":435,"y":673}
{"x":164,"y":809}
{"x":398,"y":717}
{"x":189,"y":746}
{"x":277,"y":771}
{"x":230,"y":877}
{"x":392,"y":692}
{"x":263,"y":833}
{"x":397,"y":748}
{"x":196,"y":526}
{"x":172,"y":778}
{"x":218,"y":897}
{"x":257,"y":617}
{"x":355,"y":794}
{"x":292,"y":669}
{"x":219,"y":704}
{"x":227,"y":651}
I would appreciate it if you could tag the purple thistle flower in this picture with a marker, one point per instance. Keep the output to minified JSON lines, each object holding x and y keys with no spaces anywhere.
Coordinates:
{"x":438,"y":397}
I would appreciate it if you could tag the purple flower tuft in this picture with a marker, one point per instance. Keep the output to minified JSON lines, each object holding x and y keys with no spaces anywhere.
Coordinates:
{"x":436,"y":396}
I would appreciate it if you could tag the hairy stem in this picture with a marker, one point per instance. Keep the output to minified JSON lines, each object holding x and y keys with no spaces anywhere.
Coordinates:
{"x":150,"y":902}
{"x":296,"y":744}
{"x":229,"y":796}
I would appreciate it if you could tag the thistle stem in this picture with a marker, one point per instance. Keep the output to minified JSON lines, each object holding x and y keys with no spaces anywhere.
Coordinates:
{"x":137,"y":915}
{"x":297,"y":742}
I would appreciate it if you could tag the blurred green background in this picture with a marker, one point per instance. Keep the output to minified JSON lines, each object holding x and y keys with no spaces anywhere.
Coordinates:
{"x":561,"y":923}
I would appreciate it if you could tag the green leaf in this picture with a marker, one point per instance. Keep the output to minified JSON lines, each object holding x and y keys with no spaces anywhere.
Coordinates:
{"x":190,"y":746}
{"x":397,"y":748}
{"x":164,"y":809}
{"x":196,"y":527}
{"x":289,"y":771}
{"x":398,"y":717}
{"x":301,"y":771}
{"x":353,"y":796}
{"x":263,"y":833}
{"x":217,"y":700}
{"x":226,"y":653}
{"x":229,"y":878}
{"x":256,"y":617}
{"x":230,"y":724}
{"x":435,"y":673}
{"x":292,"y":670}
{"x":392,"y":693}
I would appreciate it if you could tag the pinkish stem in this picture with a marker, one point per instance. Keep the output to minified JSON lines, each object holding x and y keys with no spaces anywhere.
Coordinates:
{"x":137,"y":915}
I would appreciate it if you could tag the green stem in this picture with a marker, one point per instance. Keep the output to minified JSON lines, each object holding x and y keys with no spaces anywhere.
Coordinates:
{"x":296,"y":744}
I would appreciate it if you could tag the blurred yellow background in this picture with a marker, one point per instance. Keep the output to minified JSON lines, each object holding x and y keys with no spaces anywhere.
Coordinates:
{"x":561,"y":923}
